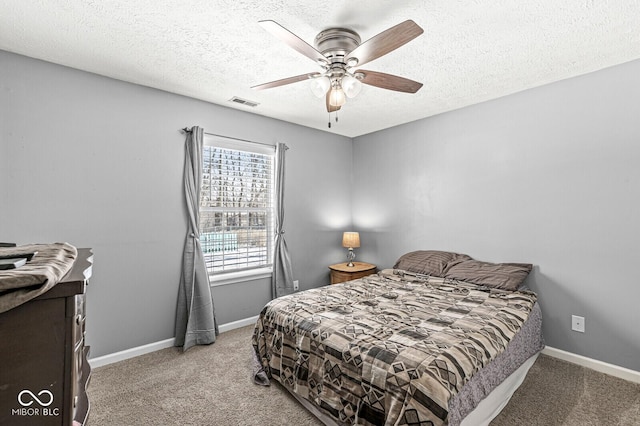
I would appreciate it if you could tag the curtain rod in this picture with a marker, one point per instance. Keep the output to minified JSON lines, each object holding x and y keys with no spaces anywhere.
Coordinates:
{"x":184,"y":129}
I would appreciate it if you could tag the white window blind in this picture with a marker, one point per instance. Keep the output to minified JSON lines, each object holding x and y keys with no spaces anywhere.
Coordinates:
{"x":236,"y":204}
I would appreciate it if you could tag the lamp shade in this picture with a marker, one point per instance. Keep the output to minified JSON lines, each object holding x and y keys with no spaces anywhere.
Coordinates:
{"x":351,"y":240}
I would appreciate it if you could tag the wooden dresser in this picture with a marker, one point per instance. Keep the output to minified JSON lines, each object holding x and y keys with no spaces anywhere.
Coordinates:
{"x":44,"y":371}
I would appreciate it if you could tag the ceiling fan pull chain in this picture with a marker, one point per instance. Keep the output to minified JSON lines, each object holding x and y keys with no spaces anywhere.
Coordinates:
{"x":329,"y":120}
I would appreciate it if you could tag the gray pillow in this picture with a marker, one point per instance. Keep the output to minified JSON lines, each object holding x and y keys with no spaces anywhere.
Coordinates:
{"x":506,"y":276}
{"x":428,"y":262}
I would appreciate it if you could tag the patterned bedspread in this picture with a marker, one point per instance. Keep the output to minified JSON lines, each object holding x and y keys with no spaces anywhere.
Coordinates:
{"x":388,"y":348}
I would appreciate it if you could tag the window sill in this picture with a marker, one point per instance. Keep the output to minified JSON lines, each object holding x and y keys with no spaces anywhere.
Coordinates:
{"x":239,"y":277}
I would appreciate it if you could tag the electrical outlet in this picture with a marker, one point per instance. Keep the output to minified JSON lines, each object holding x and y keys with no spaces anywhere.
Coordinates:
{"x":577,"y":323}
{"x":296,"y":285}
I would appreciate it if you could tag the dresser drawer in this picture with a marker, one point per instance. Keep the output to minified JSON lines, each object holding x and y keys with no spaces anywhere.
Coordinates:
{"x":77,"y":369}
{"x":76,"y":312}
{"x":75,"y":305}
{"x":81,"y":401}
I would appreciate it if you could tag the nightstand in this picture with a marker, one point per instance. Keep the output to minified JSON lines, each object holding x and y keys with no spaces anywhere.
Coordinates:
{"x":340,"y":272}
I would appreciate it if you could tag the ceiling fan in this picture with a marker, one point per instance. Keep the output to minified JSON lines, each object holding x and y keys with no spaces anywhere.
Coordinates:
{"x":339,"y":51}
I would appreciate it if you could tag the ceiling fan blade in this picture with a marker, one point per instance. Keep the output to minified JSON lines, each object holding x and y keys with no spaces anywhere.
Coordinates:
{"x":330,"y":108}
{"x":293,"y":41}
{"x":388,"y":81}
{"x":385,"y":42}
{"x":284,"y":81}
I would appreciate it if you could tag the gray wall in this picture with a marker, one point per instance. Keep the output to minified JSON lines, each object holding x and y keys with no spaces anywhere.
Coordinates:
{"x":98,"y":163}
{"x":549,"y":176}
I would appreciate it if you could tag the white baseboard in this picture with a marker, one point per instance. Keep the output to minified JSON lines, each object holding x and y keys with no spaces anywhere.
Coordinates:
{"x":156,"y":346}
{"x":594,"y":364}
{"x":130,"y":353}
{"x":237,"y":324}
{"x":602,"y":367}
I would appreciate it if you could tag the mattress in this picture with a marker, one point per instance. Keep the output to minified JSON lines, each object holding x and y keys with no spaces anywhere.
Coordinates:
{"x":396,"y":349}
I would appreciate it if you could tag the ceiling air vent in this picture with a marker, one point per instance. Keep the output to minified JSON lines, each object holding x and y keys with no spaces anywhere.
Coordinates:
{"x":244,"y":102}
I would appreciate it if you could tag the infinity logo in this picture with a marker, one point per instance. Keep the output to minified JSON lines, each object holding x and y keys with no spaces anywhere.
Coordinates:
{"x":35,"y":398}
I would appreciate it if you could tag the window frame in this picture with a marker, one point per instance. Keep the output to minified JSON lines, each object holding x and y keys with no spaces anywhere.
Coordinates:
{"x":263,"y":270}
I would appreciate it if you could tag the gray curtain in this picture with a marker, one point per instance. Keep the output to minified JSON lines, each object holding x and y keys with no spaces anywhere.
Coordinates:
{"x":282,"y":278}
{"x":195,"y":315}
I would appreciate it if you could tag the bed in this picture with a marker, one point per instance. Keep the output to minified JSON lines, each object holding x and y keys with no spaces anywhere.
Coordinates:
{"x":439,"y":339}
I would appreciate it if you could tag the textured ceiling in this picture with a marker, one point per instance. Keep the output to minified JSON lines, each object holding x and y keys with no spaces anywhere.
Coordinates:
{"x":471,"y":51}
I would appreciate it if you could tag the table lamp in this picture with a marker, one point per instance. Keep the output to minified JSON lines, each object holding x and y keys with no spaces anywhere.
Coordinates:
{"x":351,"y":240}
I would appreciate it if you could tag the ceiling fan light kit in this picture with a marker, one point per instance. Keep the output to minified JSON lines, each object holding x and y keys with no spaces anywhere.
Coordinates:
{"x":338,"y":51}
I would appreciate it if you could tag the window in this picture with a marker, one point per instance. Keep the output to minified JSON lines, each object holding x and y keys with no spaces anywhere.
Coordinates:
{"x":236,"y":205}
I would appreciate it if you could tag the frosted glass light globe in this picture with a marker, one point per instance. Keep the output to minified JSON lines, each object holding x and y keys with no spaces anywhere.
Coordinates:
{"x":337,"y":97}
{"x":351,"y":86}
{"x":319,"y":86}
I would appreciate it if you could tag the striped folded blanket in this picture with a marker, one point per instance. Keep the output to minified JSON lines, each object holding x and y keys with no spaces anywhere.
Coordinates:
{"x":41,"y":273}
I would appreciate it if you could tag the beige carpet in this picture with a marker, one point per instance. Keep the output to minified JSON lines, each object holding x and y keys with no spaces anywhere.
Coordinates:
{"x":210,"y":385}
